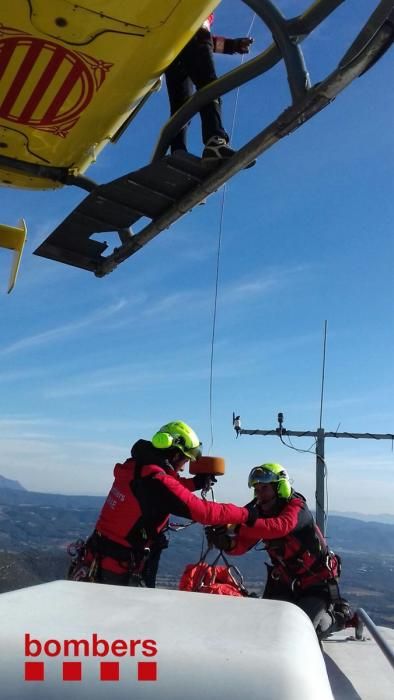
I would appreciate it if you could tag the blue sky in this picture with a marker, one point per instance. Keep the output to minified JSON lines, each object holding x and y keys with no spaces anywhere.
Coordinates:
{"x":90,"y":365}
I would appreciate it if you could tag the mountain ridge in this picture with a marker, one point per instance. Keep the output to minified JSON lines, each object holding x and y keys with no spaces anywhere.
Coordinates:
{"x":12,"y":492}
{"x":10,"y":484}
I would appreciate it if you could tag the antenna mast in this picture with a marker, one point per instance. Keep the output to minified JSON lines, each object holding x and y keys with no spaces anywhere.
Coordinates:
{"x":320,"y":434}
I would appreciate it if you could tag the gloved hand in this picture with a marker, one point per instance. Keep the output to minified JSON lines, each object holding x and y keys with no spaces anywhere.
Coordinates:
{"x":242,"y":45}
{"x":219,"y":537}
{"x":204,"y":481}
{"x":230,"y":46}
{"x":253,"y":511}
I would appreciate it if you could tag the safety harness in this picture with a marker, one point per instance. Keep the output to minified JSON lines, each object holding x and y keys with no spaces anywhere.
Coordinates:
{"x":87,"y":558}
{"x":322,"y":570}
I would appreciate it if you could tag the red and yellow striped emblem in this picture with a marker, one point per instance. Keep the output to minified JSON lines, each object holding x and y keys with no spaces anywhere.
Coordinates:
{"x":44,"y":85}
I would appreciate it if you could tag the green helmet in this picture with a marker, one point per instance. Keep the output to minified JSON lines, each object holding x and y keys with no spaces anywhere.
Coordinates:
{"x":180,"y":435}
{"x":271,"y":473}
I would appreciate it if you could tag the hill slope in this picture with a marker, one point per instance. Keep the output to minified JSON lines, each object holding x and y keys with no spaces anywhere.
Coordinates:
{"x":35,"y":529}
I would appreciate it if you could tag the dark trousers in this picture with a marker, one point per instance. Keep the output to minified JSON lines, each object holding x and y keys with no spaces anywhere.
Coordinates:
{"x":194,"y":65}
{"x":314,"y":601}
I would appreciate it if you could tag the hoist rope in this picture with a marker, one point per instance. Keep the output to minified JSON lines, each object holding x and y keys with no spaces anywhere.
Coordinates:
{"x":220,"y":233}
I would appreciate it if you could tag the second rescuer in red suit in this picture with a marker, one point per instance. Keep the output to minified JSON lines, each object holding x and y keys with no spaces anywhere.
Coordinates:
{"x":303,"y":570}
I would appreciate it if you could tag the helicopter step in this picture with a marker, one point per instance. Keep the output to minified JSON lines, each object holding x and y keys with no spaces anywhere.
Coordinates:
{"x":170,"y":186}
{"x":119,"y":204}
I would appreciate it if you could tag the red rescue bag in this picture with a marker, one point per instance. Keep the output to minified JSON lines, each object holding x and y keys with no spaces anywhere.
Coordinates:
{"x":210,"y":578}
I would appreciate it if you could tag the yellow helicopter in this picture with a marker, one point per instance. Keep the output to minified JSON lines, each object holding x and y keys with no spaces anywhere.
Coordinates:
{"x":73,"y":75}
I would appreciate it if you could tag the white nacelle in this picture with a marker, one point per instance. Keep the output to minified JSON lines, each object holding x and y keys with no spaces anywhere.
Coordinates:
{"x":208,"y":646}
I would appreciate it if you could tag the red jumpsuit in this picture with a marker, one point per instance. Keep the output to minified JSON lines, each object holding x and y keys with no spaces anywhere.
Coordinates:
{"x":297,"y":549}
{"x":137,"y":509}
{"x":302,"y":570}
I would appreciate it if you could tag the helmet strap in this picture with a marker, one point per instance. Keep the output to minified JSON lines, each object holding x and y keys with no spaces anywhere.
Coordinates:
{"x":175,"y":457}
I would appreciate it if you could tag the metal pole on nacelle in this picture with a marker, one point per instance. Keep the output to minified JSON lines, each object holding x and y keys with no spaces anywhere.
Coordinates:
{"x":320,"y":494}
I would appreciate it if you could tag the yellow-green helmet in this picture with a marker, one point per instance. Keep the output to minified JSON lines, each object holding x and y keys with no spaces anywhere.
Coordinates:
{"x":180,"y":435}
{"x":271,"y":473}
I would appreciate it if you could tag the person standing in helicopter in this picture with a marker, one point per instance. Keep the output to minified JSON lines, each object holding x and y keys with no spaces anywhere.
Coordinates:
{"x":128,"y":538}
{"x":303,"y":570}
{"x":194,"y":65}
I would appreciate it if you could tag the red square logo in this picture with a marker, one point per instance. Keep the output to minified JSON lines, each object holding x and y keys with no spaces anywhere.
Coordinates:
{"x":147,"y":671}
{"x":109,"y":671}
{"x":34,"y":670}
{"x":72,"y":671}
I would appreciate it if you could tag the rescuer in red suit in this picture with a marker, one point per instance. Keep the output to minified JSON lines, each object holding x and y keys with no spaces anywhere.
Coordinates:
{"x":129,"y":535}
{"x":303,"y":570}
